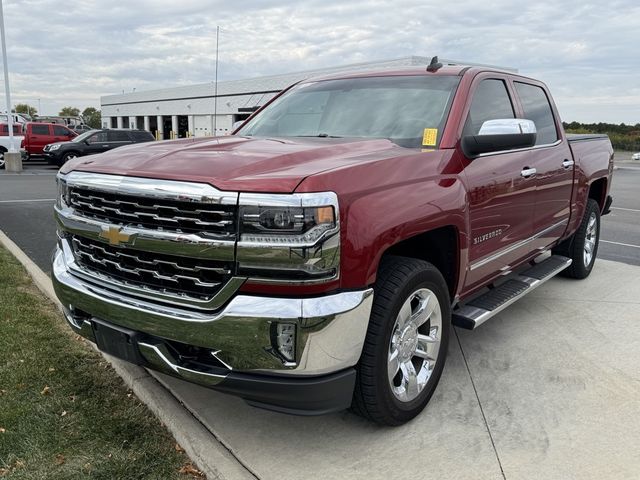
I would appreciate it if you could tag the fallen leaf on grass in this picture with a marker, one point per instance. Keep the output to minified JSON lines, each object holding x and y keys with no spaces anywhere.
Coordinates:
{"x":2,"y":430}
{"x":189,"y":469}
{"x":2,"y":392}
{"x":60,"y":459}
{"x":51,"y":369}
{"x":179,"y":449}
{"x":45,"y":391}
{"x":3,"y":472}
{"x":64,"y":412}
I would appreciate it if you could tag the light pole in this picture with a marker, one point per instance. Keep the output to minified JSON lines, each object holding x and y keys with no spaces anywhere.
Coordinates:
{"x":39,"y":111}
{"x":12,"y":148}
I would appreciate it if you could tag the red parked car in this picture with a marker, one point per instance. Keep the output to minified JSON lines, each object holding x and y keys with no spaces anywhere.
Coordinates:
{"x":37,"y":135}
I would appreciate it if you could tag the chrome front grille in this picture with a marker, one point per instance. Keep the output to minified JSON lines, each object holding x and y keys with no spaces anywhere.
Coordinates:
{"x":217,"y":220}
{"x":165,"y":274}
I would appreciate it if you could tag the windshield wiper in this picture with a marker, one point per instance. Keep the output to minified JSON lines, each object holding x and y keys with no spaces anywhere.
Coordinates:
{"x":321,"y":135}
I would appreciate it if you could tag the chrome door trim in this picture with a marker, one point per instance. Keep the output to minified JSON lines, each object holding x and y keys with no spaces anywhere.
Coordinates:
{"x":526,"y":149}
{"x":568,"y":163}
{"x":515,"y":246}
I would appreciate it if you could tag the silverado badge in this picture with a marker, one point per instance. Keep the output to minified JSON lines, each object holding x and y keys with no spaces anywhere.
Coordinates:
{"x":115,"y":235}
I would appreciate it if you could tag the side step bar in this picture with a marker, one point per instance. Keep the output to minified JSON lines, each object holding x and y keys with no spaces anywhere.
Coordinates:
{"x":482,"y":308}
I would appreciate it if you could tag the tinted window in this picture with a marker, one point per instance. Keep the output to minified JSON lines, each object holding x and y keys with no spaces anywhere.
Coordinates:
{"x":141,"y":136}
{"x":40,"y":129}
{"x":58,"y":130}
{"x":98,"y":137}
{"x":490,"y":102}
{"x":537,"y":108}
{"x":117,"y":136}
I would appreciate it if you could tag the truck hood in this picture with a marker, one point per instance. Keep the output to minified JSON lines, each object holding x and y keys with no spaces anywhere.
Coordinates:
{"x":237,"y":163}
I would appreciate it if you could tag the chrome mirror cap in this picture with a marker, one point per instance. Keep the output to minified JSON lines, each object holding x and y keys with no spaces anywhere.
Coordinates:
{"x":507,"y":126}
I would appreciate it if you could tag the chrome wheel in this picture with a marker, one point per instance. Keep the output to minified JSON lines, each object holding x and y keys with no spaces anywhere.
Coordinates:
{"x":1,"y":160}
{"x":415,"y":343}
{"x":590,"y":239}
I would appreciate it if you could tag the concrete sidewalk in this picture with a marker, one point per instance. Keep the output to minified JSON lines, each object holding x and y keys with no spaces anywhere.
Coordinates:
{"x":556,"y":376}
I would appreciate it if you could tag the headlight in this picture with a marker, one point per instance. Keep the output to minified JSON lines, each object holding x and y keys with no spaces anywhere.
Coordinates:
{"x":54,"y":147}
{"x":289,"y":238}
{"x":62,"y":199}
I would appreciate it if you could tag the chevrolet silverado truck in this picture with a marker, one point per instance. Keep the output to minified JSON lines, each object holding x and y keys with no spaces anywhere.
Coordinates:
{"x":317,"y":259}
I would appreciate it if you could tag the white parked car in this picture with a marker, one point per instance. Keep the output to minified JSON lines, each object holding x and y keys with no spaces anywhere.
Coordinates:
{"x":635,"y":156}
{"x":4,"y":147}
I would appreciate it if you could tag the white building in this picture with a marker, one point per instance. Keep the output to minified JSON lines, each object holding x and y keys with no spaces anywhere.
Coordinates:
{"x":188,"y":111}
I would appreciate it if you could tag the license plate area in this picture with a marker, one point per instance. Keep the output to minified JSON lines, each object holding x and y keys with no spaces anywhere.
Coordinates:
{"x":117,"y":341}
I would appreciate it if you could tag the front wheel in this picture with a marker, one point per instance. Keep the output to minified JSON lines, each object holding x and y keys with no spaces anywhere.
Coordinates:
{"x":406,"y":343}
{"x":68,"y":156}
{"x":2,"y":160}
{"x":582,"y":246}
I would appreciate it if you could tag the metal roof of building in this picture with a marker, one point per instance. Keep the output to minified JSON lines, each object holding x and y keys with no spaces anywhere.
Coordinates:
{"x":262,"y":88}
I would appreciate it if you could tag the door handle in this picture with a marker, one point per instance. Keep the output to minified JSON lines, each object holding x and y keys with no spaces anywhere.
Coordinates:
{"x":568,"y":163}
{"x":528,"y":172}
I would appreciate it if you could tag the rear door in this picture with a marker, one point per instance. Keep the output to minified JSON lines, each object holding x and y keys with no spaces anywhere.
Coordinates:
{"x":117,"y":138}
{"x":500,"y":199}
{"x":553,"y":161}
{"x":39,"y":136}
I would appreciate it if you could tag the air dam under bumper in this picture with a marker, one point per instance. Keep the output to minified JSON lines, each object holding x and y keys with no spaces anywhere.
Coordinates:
{"x":240,"y":341}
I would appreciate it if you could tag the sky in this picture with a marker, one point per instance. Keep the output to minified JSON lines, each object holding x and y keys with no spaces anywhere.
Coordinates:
{"x":70,"y":53}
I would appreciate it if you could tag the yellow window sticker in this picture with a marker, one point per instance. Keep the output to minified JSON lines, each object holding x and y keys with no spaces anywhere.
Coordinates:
{"x":430,"y":137}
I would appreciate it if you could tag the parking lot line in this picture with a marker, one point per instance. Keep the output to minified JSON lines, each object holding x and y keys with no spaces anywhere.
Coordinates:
{"x":622,"y":244}
{"x":29,"y":200}
{"x":625,"y":209}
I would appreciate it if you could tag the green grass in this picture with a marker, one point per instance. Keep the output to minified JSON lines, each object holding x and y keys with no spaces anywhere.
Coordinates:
{"x":64,"y":412}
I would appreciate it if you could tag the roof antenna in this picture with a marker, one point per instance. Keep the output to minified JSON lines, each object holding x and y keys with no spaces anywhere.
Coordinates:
{"x":434,"y":66}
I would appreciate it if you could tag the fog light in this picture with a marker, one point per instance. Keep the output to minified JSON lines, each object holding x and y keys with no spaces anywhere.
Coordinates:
{"x":286,"y":340}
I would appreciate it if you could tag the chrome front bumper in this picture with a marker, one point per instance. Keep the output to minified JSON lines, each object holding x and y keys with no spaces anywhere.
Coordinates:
{"x":330,"y":329}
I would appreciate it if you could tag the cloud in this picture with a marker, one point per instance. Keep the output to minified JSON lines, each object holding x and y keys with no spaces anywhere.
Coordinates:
{"x":72,"y":53}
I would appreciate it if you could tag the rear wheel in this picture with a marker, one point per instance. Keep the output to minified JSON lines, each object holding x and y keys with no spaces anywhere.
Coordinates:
{"x":582,"y":246}
{"x":406,"y":343}
{"x":2,"y":160}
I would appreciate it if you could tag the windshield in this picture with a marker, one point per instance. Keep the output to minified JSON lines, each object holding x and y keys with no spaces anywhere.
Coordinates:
{"x":83,"y":136}
{"x":408,"y":110}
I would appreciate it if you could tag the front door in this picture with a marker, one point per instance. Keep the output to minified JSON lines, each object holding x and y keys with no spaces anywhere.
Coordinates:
{"x":500,"y":198}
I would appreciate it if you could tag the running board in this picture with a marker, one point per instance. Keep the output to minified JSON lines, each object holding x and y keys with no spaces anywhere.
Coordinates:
{"x":482,"y":308}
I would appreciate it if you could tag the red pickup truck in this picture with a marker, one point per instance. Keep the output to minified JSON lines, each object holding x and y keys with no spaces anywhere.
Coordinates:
{"x":318,"y":258}
{"x":38,"y":135}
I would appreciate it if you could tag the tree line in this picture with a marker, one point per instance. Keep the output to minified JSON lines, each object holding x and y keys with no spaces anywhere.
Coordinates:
{"x":623,"y":136}
{"x":91,"y":116}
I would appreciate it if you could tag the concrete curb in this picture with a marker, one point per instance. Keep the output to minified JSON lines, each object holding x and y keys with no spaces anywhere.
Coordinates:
{"x":210,"y":456}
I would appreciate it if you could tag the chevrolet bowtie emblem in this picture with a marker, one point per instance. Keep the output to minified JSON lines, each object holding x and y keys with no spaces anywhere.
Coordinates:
{"x":115,"y":235}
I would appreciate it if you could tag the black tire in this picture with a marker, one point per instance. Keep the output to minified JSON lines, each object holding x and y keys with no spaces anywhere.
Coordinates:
{"x":574,"y":246}
{"x":68,"y":156}
{"x":373,"y":397}
{"x":2,"y":160}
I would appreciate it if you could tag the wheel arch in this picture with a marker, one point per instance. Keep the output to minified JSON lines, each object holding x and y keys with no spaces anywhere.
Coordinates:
{"x":440,"y":247}
{"x":598,"y":192}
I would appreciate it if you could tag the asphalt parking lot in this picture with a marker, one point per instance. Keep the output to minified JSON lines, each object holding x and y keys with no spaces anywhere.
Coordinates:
{"x":548,"y":389}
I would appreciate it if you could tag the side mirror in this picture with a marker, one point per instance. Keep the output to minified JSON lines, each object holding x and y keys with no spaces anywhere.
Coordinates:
{"x":500,"y":135}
